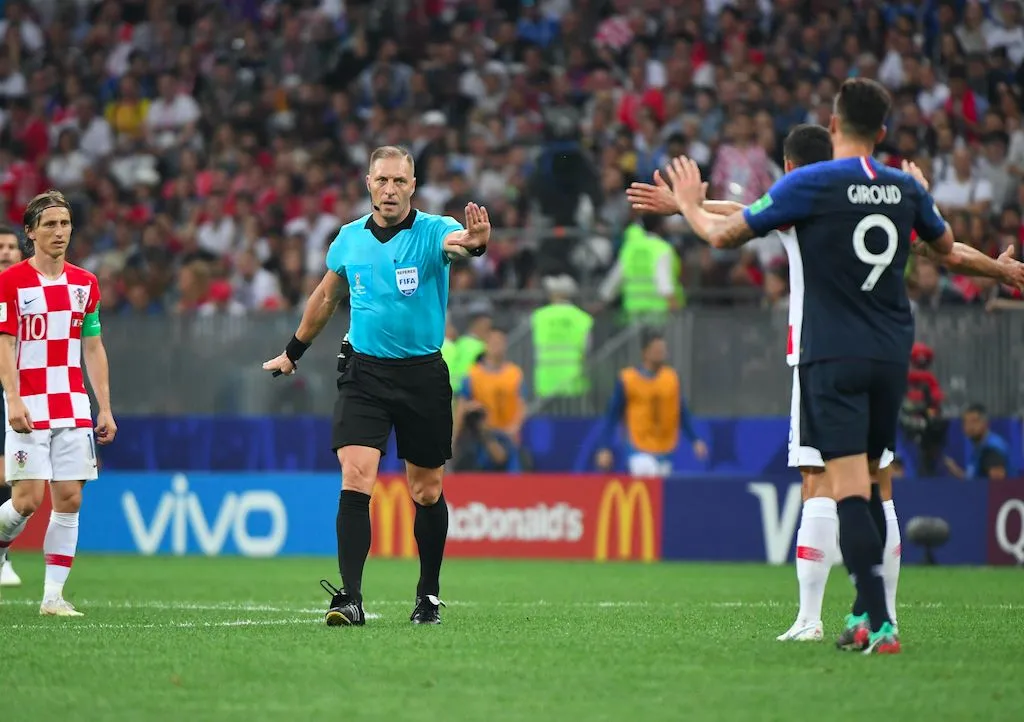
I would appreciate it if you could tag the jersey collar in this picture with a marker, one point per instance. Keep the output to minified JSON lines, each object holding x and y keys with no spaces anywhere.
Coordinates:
{"x":385,"y":234}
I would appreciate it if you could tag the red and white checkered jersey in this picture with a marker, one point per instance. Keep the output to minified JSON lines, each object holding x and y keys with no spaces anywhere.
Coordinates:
{"x":45,"y":317}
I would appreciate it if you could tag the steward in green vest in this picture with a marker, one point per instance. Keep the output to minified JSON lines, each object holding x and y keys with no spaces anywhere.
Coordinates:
{"x":642,"y":300}
{"x":561,"y":336}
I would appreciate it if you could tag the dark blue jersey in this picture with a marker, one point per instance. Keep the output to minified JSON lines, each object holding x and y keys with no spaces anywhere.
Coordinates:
{"x":853,"y":220}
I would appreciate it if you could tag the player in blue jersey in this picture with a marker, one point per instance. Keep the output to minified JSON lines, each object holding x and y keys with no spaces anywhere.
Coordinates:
{"x":853,"y":219}
{"x":394,"y":265}
{"x":816,"y":538}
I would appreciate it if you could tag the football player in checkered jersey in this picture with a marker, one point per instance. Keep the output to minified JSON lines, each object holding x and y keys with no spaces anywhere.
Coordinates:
{"x":49,"y":323}
{"x":10,"y":253}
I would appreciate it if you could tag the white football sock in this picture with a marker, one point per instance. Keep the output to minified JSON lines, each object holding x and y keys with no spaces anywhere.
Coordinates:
{"x":59,"y":549}
{"x":891,"y":557}
{"x":11,"y":525}
{"x":815,"y":552}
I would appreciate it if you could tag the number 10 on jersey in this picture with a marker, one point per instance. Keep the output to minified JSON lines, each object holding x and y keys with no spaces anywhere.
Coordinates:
{"x":878,"y":261}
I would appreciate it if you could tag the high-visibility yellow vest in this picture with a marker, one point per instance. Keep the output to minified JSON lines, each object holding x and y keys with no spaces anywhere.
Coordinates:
{"x":638,"y":259}
{"x":560,"y":333}
{"x":467,"y":351}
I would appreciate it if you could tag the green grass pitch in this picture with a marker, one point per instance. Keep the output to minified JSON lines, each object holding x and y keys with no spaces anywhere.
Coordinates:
{"x":190,"y":639}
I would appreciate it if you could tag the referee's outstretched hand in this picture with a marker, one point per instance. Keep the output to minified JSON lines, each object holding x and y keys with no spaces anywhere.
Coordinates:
{"x":280,"y":365}
{"x":478,"y":228}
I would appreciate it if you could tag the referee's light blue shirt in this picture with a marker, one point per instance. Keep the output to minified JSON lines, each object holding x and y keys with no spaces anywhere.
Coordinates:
{"x":398,"y":282}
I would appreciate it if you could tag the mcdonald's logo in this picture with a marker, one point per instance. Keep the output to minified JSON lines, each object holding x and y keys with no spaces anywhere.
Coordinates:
{"x":391,"y":517}
{"x":629,"y":504}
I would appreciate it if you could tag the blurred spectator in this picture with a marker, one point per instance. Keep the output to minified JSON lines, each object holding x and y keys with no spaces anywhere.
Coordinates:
{"x":201,"y":116}
{"x":921,"y":414}
{"x":989,"y":456}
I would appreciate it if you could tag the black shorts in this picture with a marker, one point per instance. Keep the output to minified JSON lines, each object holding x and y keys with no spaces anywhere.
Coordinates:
{"x":851,"y":406}
{"x":413,"y":395}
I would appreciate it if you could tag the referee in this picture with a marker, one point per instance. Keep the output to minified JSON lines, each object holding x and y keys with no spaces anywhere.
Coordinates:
{"x":10,"y":253}
{"x":394,"y":265}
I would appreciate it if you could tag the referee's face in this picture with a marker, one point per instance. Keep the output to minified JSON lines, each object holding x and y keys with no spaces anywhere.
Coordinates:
{"x":391,"y":185}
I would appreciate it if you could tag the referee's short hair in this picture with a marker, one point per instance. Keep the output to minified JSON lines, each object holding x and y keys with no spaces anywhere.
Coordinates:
{"x":392,"y":151}
{"x":861,"y":107}
{"x":807,"y":144}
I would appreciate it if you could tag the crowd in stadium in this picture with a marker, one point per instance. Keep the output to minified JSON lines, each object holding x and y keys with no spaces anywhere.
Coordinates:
{"x":212,"y":149}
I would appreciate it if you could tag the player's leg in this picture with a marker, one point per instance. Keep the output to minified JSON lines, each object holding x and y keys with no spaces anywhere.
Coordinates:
{"x":360,"y":435}
{"x":26,"y":468}
{"x":816,"y":538}
{"x":892,"y":553}
{"x":8,"y":577}
{"x":837,"y":416}
{"x":888,"y":389}
{"x":423,"y":429}
{"x":73,"y":458}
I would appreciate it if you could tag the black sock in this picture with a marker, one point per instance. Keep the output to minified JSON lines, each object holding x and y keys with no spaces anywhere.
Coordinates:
{"x":862,"y":551}
{"x":431,"y":530}
{"x":878,"y":517}
{"x":5,"y":493}
{"x":353,"y":540}
{"x":877,"y":511}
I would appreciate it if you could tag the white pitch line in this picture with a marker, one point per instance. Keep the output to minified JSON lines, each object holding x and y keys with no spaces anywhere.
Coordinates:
{"x":75,"y":626}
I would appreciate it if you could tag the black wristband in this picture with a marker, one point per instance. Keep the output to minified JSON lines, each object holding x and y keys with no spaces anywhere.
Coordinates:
{"x":478,"y":251}
{"x":295,"y":349}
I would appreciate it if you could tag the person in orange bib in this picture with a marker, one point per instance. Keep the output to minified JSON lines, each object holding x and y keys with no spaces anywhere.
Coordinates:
{"x":648,"y":398}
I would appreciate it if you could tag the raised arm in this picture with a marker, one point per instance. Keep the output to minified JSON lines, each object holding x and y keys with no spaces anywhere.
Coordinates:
{"x":472,"y":240}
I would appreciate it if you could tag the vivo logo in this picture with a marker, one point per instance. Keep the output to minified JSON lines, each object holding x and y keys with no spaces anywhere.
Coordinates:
{"x":180,"y":514}
{"x":778,"y":528}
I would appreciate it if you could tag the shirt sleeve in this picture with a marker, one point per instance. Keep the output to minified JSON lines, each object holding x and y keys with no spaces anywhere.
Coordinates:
{"x":8,"y":305}
{"x":789,"y":200}
{"x":612,"y":283}
{"x":336,"y":256}
{"x":445,"y":225}
{"x":928,"y":222}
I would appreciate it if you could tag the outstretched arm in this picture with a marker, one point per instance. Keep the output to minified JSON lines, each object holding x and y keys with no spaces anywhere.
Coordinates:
{"x":721,"y":231}
{"x":471,"y":241}
{"x":969,"y":261}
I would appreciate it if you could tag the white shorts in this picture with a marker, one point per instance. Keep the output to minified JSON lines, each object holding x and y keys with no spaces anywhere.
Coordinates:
{"x":641,"y":464}
{"x":51,"y":455}
{"x":800,"y":455}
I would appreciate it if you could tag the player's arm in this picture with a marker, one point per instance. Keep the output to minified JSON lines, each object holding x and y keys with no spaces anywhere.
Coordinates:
{"x":786,"y":202}
{"x":969,"y":261}
{"x":17,"y":413}
{"x":658,"y":198}
{"x":471,"y":240}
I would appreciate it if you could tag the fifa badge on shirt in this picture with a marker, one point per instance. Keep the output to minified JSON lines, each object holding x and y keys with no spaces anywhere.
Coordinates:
{"x":408,"y":280}
{"x":3,"y":312}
